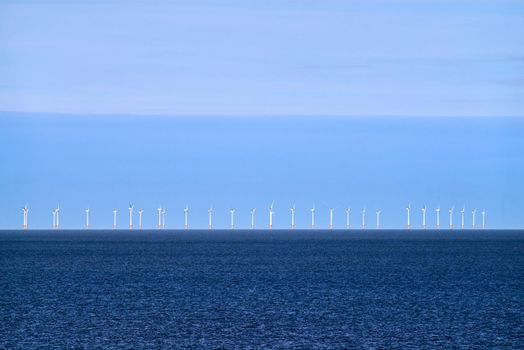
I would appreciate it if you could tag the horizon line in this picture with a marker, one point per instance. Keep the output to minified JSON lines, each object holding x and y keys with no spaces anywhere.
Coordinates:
{"x":256,"y":116}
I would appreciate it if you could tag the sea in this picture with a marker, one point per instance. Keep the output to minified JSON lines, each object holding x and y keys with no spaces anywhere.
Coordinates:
{"x":243,"y":289}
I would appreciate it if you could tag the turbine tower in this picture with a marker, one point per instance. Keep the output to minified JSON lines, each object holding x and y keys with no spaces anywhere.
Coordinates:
{"x":364,"y":218}
{"x":271,"y":216}
{"x":26,"y":211}
{"x":87,"y":218}
{"x":210,"y":214}
{"x":54,"y":218}
{"x":232,"y":212}
{"x":159,"y":209}
{"x":57,"y":216}
{"x":378,"y":218}
{"x":140,"y":212}
{"x":451,"y":217}
{"x":473,"y":214}
{"x":331,"y":218}
{"x":408,"y":209}
{"x":483,"y":218}
{"x":186,"y":213}
{"x":163,"y":218}
{"x":313,"y":217}
{"x":293,"y":217}
{"x":131,"y":206}
{"x":438,"y":217}
{"x":253,"y":218}
{"x":348,"y":211}
{"x":462,"y":215}
{"x":424,"y":217}
{"x":114,"y":218}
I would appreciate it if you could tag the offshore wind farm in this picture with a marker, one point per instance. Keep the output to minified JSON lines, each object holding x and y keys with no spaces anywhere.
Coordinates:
{"x":269,"y":225}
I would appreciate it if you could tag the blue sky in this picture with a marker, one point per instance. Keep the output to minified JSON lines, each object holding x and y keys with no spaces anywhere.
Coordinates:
{"x":105,"y":162}
{"x":234,"y":103}
{"x":416,"y":58}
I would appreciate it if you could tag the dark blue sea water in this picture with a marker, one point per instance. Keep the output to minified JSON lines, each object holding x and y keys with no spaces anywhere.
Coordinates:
{"x":225,"y":289}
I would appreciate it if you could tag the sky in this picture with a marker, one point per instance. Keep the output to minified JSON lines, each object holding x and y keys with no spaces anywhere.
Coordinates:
{"x":106,"y":162}
{"x":237,"y":104}
{"x":263,"y":57}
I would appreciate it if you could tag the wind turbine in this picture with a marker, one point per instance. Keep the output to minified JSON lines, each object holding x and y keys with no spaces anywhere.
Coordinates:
{"x":331,"y":218}
{"x":54,"y":218}
{"x":253,"y":218}
{"x":87,"y":218}
{"x":424,"y":217}
{"x":378,"y":218}
{"x":473,"y":214}
{"x":293,"y":217}
{"x":408,"y":209}
{"x":348,"y":211}
{"x":57,"y":216}
{"x":232,"y":212}
{"x":364,"y":218}
{"x":438,"y":217}
{"x":140,"y":212}
{"x":271,"y":215}
{"x":26,"y":211}
{"x":462,"y":214}
{"x":483,"y":218}
{"x":186,"y":213}
{"x":114,"y":218}
{"x":159,"y":209}
{"x":163,"y":218}
{"x":451,"y":217}
{"x":210,"y":213}
{"x":313,"y":217}
{"x":131,"y":206}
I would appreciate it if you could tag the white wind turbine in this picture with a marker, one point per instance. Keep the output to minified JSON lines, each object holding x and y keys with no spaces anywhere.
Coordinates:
{"x":114,"y":218}
{"x":163,"y":218}
{"x":131,"y":206}
{"x":462,"y":215}
{"x":253,"y":218}
{"x":271,"y":216}
{"x":87,"y":218}
{"x":313,"y":217}
{"x":424,"y":217}
{"x":210,"y":217}
{"x":57,"y":216}
{"x":159,"y":209}
{"x":293,"y":217}
{"x":232,"y":212}
{"x":54,"y":218}
{"x":26,"y":211}
{"x":408,"y":209}
{"x":331,"y":210}
{"x":140,"y":212}
{"x":483,"y":218}
{"x":348,"y":211}
{"x":473,"y":214}
{"x":438,"y":217}
{"x":451,"y":217}
{"x":186,"y":214}
{"x":378,"y":218}
{"x":364,"y":218}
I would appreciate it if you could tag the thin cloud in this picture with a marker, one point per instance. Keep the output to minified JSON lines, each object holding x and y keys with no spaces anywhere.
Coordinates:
{"x":516,"y":82}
